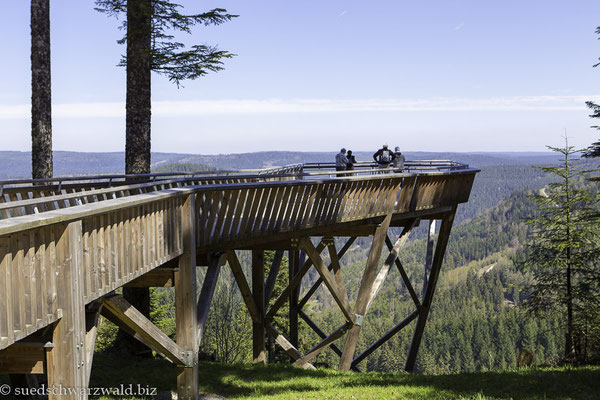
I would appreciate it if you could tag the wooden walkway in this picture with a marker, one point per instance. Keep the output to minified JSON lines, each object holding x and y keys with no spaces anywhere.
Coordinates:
{"x":67,"y":244}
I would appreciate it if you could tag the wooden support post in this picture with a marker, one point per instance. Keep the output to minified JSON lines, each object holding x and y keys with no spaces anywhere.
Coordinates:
{"x":294,"y":266}
{"x":92,"y":315}
{"x":428,"y":255}
{"x":258,"y":292}
{"x":208,"y":290}
{"x":186,"y":322}
{"x":66,"y":364}
{"x":272,"y":278}
{"x":364,"y":291}
{"x":436,"y":266}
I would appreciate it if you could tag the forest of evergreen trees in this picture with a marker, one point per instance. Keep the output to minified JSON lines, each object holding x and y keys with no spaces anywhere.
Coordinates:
{"x":477,"y":321}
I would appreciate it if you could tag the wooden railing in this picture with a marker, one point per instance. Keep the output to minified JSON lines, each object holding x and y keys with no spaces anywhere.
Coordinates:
{"x":235,"y":212}
{"x":127,"y":230}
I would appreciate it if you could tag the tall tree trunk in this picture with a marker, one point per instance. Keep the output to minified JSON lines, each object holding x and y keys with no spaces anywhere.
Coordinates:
{"x":138,"y":102}
{"x":41,"y":108}
{"x":137,"y":123}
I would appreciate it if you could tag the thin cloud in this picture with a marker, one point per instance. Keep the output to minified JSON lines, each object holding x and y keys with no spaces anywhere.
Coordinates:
{"x":459,"y":26}
{"x":278,"y":106}
{"x":342,"y":13}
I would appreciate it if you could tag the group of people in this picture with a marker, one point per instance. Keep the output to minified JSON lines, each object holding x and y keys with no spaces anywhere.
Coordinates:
{"x":384,"y":157}
{"x":344,"y":161}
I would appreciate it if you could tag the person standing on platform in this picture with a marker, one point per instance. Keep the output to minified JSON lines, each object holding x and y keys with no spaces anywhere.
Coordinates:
{"x":351,"y":161}
{"x":399,"y":159}
{"x":383,"y":157}
{"x":341,"y":161}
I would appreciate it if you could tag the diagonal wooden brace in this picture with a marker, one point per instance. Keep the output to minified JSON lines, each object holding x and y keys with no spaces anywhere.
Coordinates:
{"x":206,"y":293}
{"x":242,"y":283}
{"x":120,"y":309}
{"x":364,"y":291}
{"x":338,"y":295}
{"x":315,"y":351}
{"x":405,"y":278}
{"x":316,"y":285}
{"x":287,"y":346}
{"x":391,"y":259}
{"x":272,"y":278}
{"x":284,"y":296}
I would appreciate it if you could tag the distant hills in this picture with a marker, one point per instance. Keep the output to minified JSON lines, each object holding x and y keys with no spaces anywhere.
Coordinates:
{"x":16,"y":164}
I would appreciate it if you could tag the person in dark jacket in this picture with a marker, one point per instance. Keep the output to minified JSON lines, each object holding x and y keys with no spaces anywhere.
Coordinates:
{"x":351,"y":160}
{"x":384,"y":156}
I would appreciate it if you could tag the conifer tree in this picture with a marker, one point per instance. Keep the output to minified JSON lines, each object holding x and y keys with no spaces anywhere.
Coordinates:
{"x":562,"y":250}
{"x":594,"y":149}
{"x":149,"y":26}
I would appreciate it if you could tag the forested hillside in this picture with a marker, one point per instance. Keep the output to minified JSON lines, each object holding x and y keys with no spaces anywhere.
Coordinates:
{"x":476,"y":322}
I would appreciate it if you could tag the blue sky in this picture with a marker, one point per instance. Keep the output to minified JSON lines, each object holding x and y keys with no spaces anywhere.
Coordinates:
{"x":317,"y":75}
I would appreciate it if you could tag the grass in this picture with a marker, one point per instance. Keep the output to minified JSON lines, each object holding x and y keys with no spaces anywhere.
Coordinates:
{"x":278,"y":382}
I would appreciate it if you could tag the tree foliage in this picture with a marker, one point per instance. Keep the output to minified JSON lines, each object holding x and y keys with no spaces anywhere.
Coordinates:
{"x":562,"y":252}
{"x":168,"y":56}
{"x":594,"y":149}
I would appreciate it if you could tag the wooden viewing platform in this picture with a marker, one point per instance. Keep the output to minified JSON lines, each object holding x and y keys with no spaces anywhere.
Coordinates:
{"x":67,"y":245}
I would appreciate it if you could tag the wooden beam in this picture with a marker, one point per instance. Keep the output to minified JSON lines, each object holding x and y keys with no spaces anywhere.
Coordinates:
{"x":385,"y":338}
{"x":328,"y":279}
{"x":158,"y":277}
{"x":294,"y":266}
{"x":242,"y":283}
{"x":66,"y":361}
{"x":315,"y":351}
{"x":284,"y":296}
{"x":436,"y":266}
{"x":318,"y":282}
{"x":122,"y":326}
{"x":258,"y":292}
{"x":188,"y":325}
{"x":389,"y":261}
{"x":208,"y":289}
{"x":24,"y":358}
{"x":92,"y":315}
{"x":272,"y":278}
{"x":404,"y":275}
{"x":287,"y":346}
{"x":364,"y":292}
{"x":335,"y":267}
{"x":138,"y":323}
{"x":428,"y":255}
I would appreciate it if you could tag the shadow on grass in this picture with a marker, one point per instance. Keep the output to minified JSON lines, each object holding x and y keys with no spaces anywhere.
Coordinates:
{"x":243,"y":380}
{"x":556,"y":383}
